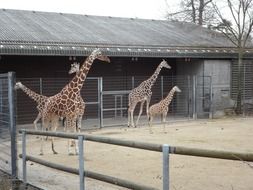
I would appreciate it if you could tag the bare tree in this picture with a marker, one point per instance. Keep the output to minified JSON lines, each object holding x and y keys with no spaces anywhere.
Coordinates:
{"x":237,"y":27}
{"x":196,"y":11}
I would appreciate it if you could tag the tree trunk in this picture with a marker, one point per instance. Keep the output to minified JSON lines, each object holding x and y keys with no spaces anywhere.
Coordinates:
{"x":201,"y":10}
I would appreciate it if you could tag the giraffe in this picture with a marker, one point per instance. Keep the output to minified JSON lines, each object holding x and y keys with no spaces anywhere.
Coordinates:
{"x":65,"y":103}
{"x":143,"y":93}
{"x":75,"y":67}
{"x":41,"y":101}
{"x":162,"y":108}
{"x":38,"y":98}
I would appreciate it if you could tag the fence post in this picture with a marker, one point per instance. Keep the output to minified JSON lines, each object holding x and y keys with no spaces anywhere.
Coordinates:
{"x":81,"y":161}
{"x":162,"y":87}
{"x":132,"y":82}
{"x":189,"y":96}
{"x":194,"y":97}
{"x":24,"y":156}
{"x":211,"y":99}
{"x":12,"y":122}
{"x":101,"y":119}
{"x":165,"y":167}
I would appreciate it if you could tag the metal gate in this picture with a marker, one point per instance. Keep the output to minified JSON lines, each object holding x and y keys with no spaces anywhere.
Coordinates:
{"x":203,"y":97}
{"x":8,"y":150}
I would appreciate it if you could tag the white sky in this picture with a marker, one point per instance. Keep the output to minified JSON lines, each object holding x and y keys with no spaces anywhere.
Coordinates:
{"x":150,"y":9}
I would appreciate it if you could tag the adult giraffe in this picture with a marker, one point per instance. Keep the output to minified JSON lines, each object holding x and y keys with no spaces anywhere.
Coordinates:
{"x":41,"y":99}
{"x":65,"y":103}
{"x":142,"y":94}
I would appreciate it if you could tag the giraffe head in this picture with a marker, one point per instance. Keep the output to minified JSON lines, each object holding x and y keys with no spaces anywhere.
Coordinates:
{"x":18,"y":85}
{"x":97,"y":54}
{"x":176,"y":89}
{"x":165,"y":64}
{"x":74,"y":68}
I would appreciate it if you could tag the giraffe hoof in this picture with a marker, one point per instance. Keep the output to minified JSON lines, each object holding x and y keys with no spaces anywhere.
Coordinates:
{"x":55,"y":152}
{"x":71,"y":154}
{"x":41,"y":154}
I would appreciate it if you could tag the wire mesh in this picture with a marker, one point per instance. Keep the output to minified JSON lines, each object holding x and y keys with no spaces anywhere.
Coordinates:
{"x":26,"y":107}
{"x":116,"y":90}
{"x":5,"y":147}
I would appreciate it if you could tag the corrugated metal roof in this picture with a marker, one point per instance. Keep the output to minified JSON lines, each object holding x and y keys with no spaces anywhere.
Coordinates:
{"x":45,"y":33}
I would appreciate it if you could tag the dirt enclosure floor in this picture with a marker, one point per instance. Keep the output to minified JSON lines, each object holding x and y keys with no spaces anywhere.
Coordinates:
{"x":145,"y":167}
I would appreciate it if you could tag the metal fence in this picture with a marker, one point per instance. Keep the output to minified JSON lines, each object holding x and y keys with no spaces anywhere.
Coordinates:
{"x":8,"y":153}
{"x":164,"y":148}
{"x":107,"y":98}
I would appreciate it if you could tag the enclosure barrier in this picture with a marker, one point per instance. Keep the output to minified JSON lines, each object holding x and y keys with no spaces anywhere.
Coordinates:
{"x":133,"y":144}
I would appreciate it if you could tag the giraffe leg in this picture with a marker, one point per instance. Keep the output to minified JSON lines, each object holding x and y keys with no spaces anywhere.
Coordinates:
{"x":131,"y":115}
{"x":74,"y":125}
{"x":75,"y":130}
{"x":147,"y":107}
{"x":141,"y":108}
{"x":35,"y":122}
{"x":67,"y":128}
{"x":53,"y":128}
{"x":45,"y":124}
{"x":79,"y":123}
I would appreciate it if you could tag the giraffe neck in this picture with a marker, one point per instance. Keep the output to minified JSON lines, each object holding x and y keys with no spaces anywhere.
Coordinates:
{"x":169,"y":97}
{"x":77,"y":82}
{"x":153,"y":77}
{"x":33,"y":95}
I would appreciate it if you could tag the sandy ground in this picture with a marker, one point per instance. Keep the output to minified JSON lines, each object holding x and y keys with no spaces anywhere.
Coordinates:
{"x":145,"y":167}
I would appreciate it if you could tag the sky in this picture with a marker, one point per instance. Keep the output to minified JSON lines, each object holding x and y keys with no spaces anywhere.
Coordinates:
{"x":147,"y":9}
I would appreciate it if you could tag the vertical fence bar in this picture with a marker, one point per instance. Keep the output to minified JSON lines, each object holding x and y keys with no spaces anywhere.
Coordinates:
{"x":81,"y":162}
{"x":189,"y":102}
{"x":165,"y":167}
{"x":41,"y":87}
{"x":12,"y":123}
{"x":211,"y":99}
{"x":24,"y":156}
{"x":98,"y":101}
{"x":132,"y":82}
{"x":194,"y":88}
{"x":101,"y":119}
{"x":162,"y":87}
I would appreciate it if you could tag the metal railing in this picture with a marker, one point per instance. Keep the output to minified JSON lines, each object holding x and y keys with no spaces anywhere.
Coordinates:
{"x":165,"y":149}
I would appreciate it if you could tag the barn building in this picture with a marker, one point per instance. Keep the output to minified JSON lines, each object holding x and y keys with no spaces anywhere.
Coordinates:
{"x":40,"y":46}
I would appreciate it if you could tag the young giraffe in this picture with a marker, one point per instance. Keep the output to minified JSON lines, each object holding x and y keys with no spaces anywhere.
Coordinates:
{"x":65,"y":103}
{"x":141,"y":94}
{"x":162,"y":108}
